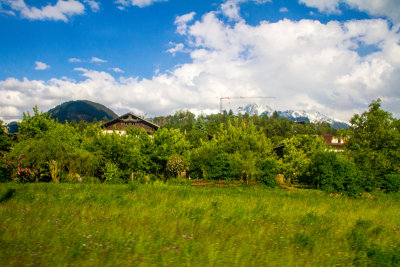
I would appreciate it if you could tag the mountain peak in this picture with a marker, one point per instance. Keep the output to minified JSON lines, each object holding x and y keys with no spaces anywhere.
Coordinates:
{"x":81,"y":110}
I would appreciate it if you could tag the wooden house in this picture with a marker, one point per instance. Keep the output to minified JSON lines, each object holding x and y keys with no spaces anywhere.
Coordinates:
{"x":128,"y":121}
{"x":336,"y":143}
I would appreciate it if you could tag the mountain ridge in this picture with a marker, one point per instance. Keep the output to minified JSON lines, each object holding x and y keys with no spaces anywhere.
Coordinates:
{"x":294,"y":115}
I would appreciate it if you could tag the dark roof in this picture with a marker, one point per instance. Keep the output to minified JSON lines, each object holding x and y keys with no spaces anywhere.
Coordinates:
{"x":121,"y":118}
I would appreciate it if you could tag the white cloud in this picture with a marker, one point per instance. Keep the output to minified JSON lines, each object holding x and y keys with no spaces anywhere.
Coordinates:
{"x":62,"y":10}
{"x":94,"y":5}
{"x":328,"y":6}
{"x":122,"y":4}
{"x":177,"y":48}
{"x":386,"y":8}
{"x":231,"y":8}
{"x":283,"y":9}
{"x":97,"y":60}
{"x":305,"y":64}
{"x":8,"y":12}
{"x":41,"y":66}
{"x":182,"y":21}
{"x":118,"y":70}
{"x":74,"y":60}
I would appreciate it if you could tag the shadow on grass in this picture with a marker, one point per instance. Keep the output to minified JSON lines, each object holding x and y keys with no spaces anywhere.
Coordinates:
{"x":7,"y":195}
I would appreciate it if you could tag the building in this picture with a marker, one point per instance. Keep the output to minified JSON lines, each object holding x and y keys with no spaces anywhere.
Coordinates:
{"x":337,"y":143}
{"x":128,"y":121}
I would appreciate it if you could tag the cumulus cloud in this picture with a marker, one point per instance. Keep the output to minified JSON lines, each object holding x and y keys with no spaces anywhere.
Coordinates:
{"x":41,"y":65}
{"x":231,"y":9}
{"x":304,"y":64}
{"x":385,"y":8}
{"x":182,"y":21}
{"x":62,"y":10}
{"x":97,"y":60}
{"x":122,"y":4}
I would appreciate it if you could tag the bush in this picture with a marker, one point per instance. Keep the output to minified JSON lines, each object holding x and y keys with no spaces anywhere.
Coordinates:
{"x":176,"y":166}
{"x":222,"y":167}
{"x":268,"y":172}
{"x":15,"y":168}
{"x":111,"y":173}
{"x":5,"y":170}
{"x":391,"y":183}
{"x":332,"y":172}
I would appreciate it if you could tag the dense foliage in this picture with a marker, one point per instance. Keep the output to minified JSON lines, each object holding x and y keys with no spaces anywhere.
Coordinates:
{"x":333,"y":172}
{"x":374,"y":143}
{"x":216,"y":147}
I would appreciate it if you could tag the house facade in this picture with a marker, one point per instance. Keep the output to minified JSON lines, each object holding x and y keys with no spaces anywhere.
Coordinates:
{"x":337,"y":143}
{"x":127,"y":121}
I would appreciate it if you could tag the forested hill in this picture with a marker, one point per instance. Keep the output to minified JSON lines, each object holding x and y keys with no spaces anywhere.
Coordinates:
{"x":81,"y":110}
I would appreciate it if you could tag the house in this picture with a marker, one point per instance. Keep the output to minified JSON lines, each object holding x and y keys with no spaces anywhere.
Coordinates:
{"x":127,"y":121}
{"x":337,"y":143}
{"x":332,"y":140}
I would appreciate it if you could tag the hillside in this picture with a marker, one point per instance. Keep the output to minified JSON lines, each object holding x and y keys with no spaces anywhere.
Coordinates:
{"x":81,"y":110}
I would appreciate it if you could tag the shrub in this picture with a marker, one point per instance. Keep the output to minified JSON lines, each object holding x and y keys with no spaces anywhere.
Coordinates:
{"x":268,"y":172}
{"x":332,"y":172}
{"x":176,"y":165}
{"x":222,"y":167}
{"x":391,"y":183}
{"x":111,"y":172}
{"x":5,"y":170}
{"x":15,"y":168}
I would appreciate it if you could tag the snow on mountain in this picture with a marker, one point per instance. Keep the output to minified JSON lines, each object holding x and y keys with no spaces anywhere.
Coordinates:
{"x":256,"y":109}
{"x":302,"y":115}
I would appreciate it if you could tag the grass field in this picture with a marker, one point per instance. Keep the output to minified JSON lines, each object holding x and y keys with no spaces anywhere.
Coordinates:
{"x":111,"y":225}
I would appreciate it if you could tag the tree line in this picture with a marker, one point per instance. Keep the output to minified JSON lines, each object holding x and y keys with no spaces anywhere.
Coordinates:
{"x":215,"y":147}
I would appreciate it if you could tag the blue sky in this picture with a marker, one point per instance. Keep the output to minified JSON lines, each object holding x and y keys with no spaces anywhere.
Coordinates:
{"x":156,"y":57}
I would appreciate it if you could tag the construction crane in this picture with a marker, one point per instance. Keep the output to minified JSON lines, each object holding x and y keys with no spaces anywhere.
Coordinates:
{"x":239,"y":97}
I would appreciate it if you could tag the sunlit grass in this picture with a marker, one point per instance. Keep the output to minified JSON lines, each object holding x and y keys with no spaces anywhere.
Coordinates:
{"x":81,"y":224}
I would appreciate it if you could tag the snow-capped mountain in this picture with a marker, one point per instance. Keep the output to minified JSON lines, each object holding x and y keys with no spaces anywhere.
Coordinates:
{"x":310,"y":116}
{"x":256,"y":109}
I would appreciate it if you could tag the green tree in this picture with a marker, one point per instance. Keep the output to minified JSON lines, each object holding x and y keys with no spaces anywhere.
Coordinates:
{"x":32,"y":126}
{"x":125,"y":152}
{"x":167,"y":142}
{"x":233,"y":152}
{"x":333,"y":172}
{"x":373,"y":141}
{"x":57,"y":152}
{"x":268,"y":170}
{"x":5,"y":140}
{"x":297,"y":155}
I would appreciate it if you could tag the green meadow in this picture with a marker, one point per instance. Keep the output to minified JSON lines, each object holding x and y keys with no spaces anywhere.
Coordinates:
{"x":49,"y":224}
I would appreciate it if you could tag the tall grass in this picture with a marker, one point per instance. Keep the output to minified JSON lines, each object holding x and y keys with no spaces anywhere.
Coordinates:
{"x":109,"y":225}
